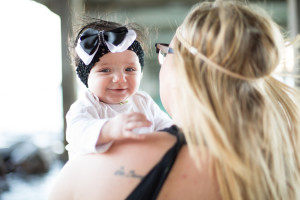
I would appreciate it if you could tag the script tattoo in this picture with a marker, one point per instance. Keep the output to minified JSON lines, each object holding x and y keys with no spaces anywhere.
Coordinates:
{"x":130,"y":173}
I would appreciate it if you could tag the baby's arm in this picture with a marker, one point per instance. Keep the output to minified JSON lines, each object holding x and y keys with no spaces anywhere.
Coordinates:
{"x":122,"y":126}
{"x":83,"y":128}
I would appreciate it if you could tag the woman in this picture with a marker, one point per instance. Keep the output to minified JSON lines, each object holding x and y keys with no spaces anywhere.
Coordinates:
{"x":241,"y":125}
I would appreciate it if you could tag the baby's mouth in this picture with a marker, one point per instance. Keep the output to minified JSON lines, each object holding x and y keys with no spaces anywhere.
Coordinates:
{"x":118,"y":89}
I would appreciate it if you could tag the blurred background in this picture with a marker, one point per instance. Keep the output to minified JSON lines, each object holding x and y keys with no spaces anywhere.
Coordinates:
{"x":38,"y":84}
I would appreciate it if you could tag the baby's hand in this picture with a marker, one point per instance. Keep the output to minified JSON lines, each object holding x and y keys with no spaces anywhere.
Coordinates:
{"x":122,"y":126}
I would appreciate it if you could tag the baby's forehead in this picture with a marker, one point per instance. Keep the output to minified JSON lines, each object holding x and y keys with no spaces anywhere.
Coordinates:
{"x":117,"y":63}
{"x":127,"y":57}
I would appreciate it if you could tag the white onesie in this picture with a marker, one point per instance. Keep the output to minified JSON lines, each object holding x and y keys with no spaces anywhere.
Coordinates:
{"x":87,"y":116}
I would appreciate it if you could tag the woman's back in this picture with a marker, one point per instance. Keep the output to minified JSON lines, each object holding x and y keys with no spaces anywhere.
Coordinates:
{"x":115,"y":174}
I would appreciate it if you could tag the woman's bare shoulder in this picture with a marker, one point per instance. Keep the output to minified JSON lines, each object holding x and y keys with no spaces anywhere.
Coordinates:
{"x":122,"y":166}
{"x":151,"y":140}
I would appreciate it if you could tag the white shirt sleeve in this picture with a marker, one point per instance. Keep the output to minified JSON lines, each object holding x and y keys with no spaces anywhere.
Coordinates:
{"x":83,"y":129}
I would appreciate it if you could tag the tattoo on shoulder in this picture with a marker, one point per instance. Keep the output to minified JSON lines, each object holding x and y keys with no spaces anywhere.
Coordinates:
{"x":127,"y":173}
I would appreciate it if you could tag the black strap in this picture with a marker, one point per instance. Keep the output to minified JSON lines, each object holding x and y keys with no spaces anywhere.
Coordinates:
{"x":152,"y":183}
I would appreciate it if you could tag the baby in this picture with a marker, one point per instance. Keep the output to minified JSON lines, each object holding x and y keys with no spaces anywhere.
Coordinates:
{"x":109,"y":60}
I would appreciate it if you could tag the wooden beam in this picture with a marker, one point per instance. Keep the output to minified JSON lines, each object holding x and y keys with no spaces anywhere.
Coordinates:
{"x":63,"y":9}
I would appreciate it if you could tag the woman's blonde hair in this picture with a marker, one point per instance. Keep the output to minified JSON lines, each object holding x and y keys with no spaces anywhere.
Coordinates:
{"x":243,"y":118}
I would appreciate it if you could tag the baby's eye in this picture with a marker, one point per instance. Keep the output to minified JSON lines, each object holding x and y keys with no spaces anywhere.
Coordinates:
{"x":104,"y":70}
{"x":130,"y":69}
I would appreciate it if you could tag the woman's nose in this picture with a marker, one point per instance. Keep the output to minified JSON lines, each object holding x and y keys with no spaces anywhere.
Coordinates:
{"x":119,"y":77}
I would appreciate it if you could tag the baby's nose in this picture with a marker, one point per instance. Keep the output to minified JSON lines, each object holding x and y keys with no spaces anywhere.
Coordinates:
{"x":119,"y":77}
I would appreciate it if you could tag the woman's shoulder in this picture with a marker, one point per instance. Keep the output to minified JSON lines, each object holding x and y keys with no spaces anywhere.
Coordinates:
{"x":117,"y":172}
{"x":122,"y":166}
{"x":152,"y":145}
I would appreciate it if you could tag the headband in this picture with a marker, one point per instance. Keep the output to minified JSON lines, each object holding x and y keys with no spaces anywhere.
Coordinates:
{"x":93,"y":44}
{"x":195,"y":52}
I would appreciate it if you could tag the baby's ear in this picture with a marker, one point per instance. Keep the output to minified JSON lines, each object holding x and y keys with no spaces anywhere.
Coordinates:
{"x":141,"y":75}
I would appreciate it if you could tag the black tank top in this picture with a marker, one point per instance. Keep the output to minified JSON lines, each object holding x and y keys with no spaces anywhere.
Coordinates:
{"x":152,"y":183}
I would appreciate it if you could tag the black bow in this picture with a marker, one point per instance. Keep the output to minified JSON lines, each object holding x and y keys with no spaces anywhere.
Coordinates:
{"x":90,"y":39}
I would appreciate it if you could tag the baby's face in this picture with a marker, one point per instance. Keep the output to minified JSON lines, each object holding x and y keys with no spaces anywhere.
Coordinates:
{"x":115,"y":77}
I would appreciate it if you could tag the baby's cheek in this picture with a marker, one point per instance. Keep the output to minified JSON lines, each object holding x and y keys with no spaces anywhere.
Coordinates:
{"x":136,"y":81}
